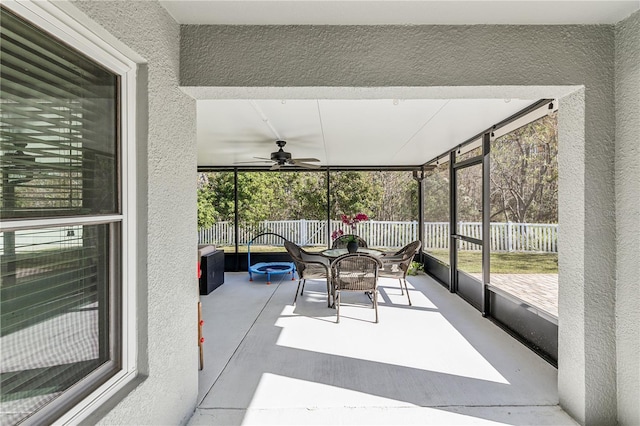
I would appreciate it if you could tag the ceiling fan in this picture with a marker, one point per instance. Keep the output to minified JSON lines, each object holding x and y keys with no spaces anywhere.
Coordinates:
{"x":281,"y":157}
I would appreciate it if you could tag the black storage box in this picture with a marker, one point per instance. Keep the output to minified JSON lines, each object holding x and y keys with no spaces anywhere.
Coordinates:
{"x":212,"y":271}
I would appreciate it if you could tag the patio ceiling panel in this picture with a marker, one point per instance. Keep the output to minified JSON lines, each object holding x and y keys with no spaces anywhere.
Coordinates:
{"x":229,"y":131}
{"x":297,"y":122}
{"x":457,"y":121}
{"x":366,"y":132}
{"x":343,"y":132}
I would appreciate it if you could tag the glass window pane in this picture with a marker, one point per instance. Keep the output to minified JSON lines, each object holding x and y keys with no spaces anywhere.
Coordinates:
{"x":58,"y":143}
{"x":387,"y":198}
{"x":436,"y":213}
{"x":469,"y":201}
{"x":55,"y":313}
{"x":524,"y":213}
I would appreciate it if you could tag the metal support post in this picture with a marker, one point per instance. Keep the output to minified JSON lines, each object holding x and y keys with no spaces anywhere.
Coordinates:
{"x":419,"y":177}
{"x":235,"y":215}
{"x":328,"y":209}
{"x":453,"y":218}
{"x":486,"y":222}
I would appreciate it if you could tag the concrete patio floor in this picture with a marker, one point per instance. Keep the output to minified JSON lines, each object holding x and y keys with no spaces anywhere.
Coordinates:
{"x":437,"y":362}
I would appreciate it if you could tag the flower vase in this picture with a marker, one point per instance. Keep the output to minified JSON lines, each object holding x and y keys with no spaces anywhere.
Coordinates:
{"x":352,"y":246}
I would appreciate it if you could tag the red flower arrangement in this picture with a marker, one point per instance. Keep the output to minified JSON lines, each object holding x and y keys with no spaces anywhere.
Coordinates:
{"x":350,"y":221}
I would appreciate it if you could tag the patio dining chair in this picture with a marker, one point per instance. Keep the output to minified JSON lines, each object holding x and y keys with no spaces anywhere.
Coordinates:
{"x":355,"y":272}
{"x":309,"y":266}
{"x":341,"y":241}
{"x":396,"y":265}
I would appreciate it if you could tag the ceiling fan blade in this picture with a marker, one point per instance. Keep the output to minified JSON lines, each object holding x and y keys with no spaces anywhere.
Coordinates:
{"x":307,"y":165}
{"x":257,"y":160}
{"x":304,"y":160}
{"x":275,"y":167}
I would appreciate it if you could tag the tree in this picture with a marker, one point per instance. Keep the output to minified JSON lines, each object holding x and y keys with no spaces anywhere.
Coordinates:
{"x":259,"y":196}
{"x":268,"y":195}
{"x":382,"y":195}
{"x":469,"y":193}
{"x":309,"y":196}
{"x":524,"y":173}
{"x":206,"y":211}
{"x":220,"y":186}
{"x":399,"y":198}
{"x":353,"y":192}
{"x":436,"y":194}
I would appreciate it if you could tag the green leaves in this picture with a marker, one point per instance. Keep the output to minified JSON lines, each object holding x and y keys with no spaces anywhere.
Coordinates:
{"x":206,"y":211}
{"x":382,"y":195}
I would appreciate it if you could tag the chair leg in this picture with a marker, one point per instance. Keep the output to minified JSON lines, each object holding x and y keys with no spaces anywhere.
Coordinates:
{"x":401,"y":289}
{"x":337,"y":301}
{"x":297,"y":289}
{"x":405,"y":286}
{"x":333,"y":296}
{"x":303,"y":283}
{"x":375,"y":303}
{"x":328,"y":295}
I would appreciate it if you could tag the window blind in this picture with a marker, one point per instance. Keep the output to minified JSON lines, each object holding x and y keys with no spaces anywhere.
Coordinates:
{"x":58,"y":127}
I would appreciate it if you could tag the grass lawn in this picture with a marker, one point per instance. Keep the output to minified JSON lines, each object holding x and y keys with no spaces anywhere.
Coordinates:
{"x":469,"y":261}
{"x":504,"y":263}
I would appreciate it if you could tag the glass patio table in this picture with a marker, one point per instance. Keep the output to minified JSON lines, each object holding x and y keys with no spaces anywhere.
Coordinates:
{"x":335,"y":253}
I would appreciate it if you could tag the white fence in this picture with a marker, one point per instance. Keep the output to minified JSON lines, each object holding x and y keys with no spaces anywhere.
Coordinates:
{"x":507,"y":237}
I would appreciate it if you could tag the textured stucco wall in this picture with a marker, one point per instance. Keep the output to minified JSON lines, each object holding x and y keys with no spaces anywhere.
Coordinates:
{"x":627,"y":89}
{"x":449,"y":56}
{"x":167,"y":310}
{"x":571,"y":298}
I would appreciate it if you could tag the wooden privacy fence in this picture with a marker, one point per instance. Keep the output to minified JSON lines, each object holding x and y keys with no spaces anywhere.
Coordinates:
{"x":505,"y":237}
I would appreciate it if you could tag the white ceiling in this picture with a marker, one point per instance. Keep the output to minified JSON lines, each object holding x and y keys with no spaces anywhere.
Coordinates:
{"x":383,"y":132}
{"x":416,"y":12}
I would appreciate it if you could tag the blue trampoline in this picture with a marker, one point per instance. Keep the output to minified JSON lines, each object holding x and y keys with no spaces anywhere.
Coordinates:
{"x":269,"y":268}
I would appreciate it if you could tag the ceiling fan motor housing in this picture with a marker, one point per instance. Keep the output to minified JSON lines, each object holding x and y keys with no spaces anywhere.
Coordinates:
{"x":281,"y":156}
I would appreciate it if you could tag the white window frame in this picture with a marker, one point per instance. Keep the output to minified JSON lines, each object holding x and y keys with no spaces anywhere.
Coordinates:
{"x":55,"y":19}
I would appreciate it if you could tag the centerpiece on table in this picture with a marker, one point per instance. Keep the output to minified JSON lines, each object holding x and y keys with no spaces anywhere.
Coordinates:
{"x":351,"y":222}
